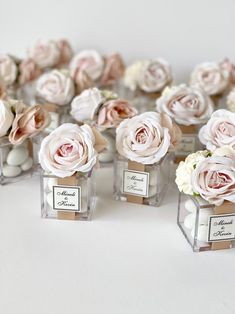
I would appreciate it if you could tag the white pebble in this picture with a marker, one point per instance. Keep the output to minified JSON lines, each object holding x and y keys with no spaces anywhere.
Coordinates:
{"x":204,"y":215}
{"x":202,"y":233}
{"x":189,"y":221}
{"x":190,"y":206}
{"x":17,"y":156}
{"x":5,"y":151}
{"x":106,"y":156}
{"x":152,"y":176}
{"x":11,"y":171}
{"x":152,"y":191}
{"x":49,"y":199}
{"x":28,"y":164}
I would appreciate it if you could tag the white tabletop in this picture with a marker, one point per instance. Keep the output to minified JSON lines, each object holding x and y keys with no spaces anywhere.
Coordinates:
{"x":129,"y":259}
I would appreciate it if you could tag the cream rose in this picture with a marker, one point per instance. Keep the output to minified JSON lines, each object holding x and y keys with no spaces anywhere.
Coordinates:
{"x":154,"y":76}
{"x":85,"y":106}
{"x":219,"y":130}
{"x":214,"y":179}
{"x":46,"y":54}
{"x":28,"y":122}
{"x":6,"y":117}
{"x":28,"y":71}
{"x":113,"y":112}
{"x":143,"y":138}
{"x":56,"y":87}
{"x":211,"y":77}
{"x":186,"y":105}
{"x":113,"y":70}
{"x":231,"y":100}
{"x":132,"y":74}
{"x":89,"y":61}
{"x":8,"y":69}
{"x":227,"y":65}
{"x":66,"y":51}
{"x":69,"y":149}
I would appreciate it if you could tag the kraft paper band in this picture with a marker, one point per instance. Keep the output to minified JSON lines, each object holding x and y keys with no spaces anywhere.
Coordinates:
{"x":136,"y":166}
{"x":188,"y":129}
{"x":225,"y":208}
{"x":70,"y":181}
{"x":51,"y":107}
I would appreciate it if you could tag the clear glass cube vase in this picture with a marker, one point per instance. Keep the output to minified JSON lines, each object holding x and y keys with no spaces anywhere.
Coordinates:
{"x":142,"y":184}
{"x":70,"y":198}
{"x":18,"y":162}
{"x":206,"y":226}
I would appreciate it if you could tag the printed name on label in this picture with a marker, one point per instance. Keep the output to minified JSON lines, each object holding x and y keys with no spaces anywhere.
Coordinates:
{"x":67,"y":198}
{"x":135,"y":183}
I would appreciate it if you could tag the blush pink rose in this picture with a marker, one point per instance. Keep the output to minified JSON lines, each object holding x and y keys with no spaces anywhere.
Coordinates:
{"x":28,"y":122}
{"x":219,"y":130}
{"x":28,"y":71}
{"x":66,"y":51}
{"x":113,"y":112}
{"x":214,"y":179}
{"x":227,"y":65}
{"x":113,"y":70}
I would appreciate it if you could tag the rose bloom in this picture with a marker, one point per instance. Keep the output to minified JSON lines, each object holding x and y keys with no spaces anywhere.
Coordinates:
{"x":69,"y":149}
{"x":219,"y":130}
{"x":89,"y":61}
{"x":6,"y":117}
{"x":214,"y":179}
{"x":132,"y":74}
{"x":82,"y":81}
{"x":28,"y":122}
{"x":85,"y":106}
{"x":8,"y":69}
{"x":45,"y":54}
{"x":113,"y":70}
{"x":227,"y":65}
{"x":231,"y":100}
{"x":56,"y":87}
{"x":143,"y":138}
{"x":186,"y":105}
{"x":155,"y":75}
{"x":113,"y":112}
{"x":66,"y":51}
{"x":28,"y":71}
{"x":211,"y":77}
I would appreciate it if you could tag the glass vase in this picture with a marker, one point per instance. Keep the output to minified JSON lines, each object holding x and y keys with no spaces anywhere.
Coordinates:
{"x":206,"y":226}
{"x":70,"y":198}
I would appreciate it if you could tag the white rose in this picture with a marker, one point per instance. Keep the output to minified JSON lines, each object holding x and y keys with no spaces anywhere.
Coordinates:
{"x":155,"y":75}
{"x":231,"y":100}
{"x":69,"y":149}
{"x":89,"y":61}
{"x":186,"y":105}
{"x":85,"y":106}
{"x":219,"y":130}
{"x":56,"y":87}
{"x":8,"y":69}
{"x":6,"y":118}
{"x":45,"y":53}
{"x":185,"y":169}
{"x":143,"y":138}
{"x":210,"y":76}
{"x":132,"y":74}
{"x":225,"y":151}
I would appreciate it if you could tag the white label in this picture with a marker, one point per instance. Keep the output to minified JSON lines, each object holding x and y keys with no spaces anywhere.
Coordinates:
{"x":135,"y":183}
{"x":221,"y":228}
{"x":54,"y":122}
{"x":186,"y":146}
{"x":67,"y":198}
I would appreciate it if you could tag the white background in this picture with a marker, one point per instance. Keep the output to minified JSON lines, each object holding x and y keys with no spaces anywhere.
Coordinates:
{"x":130,"y":259}
{"x":183,"y":32}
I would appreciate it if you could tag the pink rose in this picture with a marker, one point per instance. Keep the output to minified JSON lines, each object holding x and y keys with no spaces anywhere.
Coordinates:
{"x":227,"y":65}
{"x":214,"y":179}
{"x":82,"y":81}
{"x":8,"y":69}
{"x":113,"y":70}
{"x":28,"y":122}
{"x":219,"y":130}
{"x":66,"y":51}
{"x":113,"y":112}
{"x":89,"y":61}
{"x":28,"y":71}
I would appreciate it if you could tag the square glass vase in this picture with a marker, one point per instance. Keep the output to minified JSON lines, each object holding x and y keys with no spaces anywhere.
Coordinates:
{"x":18,"y":162}
{"x":189,"y":143}
{"x":70,"y":198}
{"x":142,"y":184}
{"x":206,"y":226}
